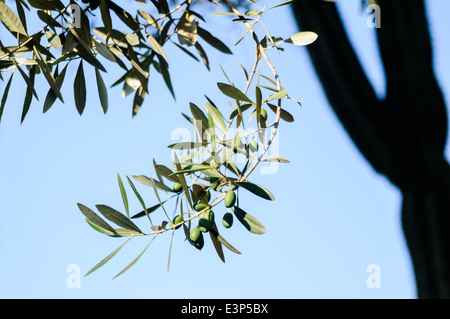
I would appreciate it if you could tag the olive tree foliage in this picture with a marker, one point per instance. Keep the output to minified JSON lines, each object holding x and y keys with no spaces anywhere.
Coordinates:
{"x":207,"y":171}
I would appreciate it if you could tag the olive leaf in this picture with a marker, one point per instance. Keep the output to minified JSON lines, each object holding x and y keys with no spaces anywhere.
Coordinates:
{"x":302,"y":38}
{"x":187,"y":29}
{"x":250,"y":222}
{"x":256,"y":189}
{"x":233,"y":92}
{"x":95,"y":219}
{"x":106,"y":259}
{"x":117,"y":217}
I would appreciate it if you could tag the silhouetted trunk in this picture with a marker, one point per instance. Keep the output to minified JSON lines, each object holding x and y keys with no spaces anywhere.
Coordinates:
{"x":402,"y":136}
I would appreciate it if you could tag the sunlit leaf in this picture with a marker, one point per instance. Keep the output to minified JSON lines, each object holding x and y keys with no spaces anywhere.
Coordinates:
{"x":187,"y":29}
{"x":250,"y":222}
{"x":302,"y":38}
{"x":233,"y":92}
{"x":10,"y":20}
{"x":151,"y":182}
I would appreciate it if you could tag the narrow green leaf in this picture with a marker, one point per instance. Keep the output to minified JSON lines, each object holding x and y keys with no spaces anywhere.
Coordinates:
{"x":257,"y":190}
{"x":106,"y":16}
{"x":152,"y":183}
{"x":95,"y":219}
{"x":122,"y":232}
{"x":102,"y":230}
{"x":5,"y":96}
{"x":202,"y":54}
{"x":117,"y":218}
{"x":106,"y":259}
{"x":279,"y":159}
{"x":279,"y":95}
{"x":245,"y":33}
{"x":51,"y":97}
{"x":258,"y":95}
{"x":217,"y":244}
{"x":281,"y":4}
{"x":170,"y":250}
{"x":47,"y":73}
{"x":213,"y":41}
{"x":249,"y":221}
{"x":102,"y":91}
{"x":233,"y":92}
{"x":157,"y":196}
{"x":285,"y":115}
{"x":225,"y":14}
{"x":216,"y":116}
{"x":156,"y":47}
{"x":147,"y":211}
{"x":123,"y":192}
{"x":141,"y":200}
{"x":104,"y":50}
{"x":187,"y":145}
{"x":79,"y":89}
{"x":198,"y":115}
{"x":185,"y":168}
{"x":150,"y":20}
{"x":134,"y":260}
{"x":227,"y":244}
{"x":29,"y":81}
{"x":212,"y":132}
{"x":28,"y":94}
{"x":166,"y":172}
{"x":183,"y":181}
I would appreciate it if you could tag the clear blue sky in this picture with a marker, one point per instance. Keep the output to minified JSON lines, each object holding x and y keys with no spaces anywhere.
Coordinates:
{"x":332,"y":218}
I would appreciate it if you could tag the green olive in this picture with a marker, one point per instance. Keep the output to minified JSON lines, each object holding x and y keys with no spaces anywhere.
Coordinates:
{"x":176,"y":220}
{"x":177,"y":187}
{"x":214,"y":184}
{"x":227,"y":220}
{"x":207,"y":220}
{"x":198,"y":206}
{"x":204,"y":225}
{"x":196,"y":237}
{"x":230,"y":198}
{"x":263,"y":114}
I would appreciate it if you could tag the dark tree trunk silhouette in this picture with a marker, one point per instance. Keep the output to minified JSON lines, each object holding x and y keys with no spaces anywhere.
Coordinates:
{"x":403,"y":136}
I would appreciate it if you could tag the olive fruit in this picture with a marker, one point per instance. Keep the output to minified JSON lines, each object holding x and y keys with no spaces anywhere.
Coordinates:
{"x":214,"y":184}
{"x":198,"y":206}
{"x":196,"y":237}
{"x":253,"y":146}
{"x":237,"y":144}
{"x":206,"y":221}
{"x":177,"y":187}
{"x":230,"y":198}
{"x":263,"y":114}
{"x":227,"y":220}
{"x":176,"y":220}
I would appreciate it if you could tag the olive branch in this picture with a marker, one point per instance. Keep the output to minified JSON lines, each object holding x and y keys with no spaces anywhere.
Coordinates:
{"x":190,"y":180}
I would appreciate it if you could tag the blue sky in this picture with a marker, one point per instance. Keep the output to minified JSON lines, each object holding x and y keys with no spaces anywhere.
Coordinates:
{"x":333,"y":215}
